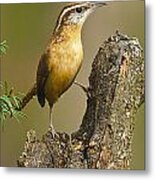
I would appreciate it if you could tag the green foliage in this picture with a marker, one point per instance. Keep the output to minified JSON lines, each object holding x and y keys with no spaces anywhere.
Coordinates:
{"x":9,"y":101}
{"x":10,"y":104}
{"x":3,"y":47}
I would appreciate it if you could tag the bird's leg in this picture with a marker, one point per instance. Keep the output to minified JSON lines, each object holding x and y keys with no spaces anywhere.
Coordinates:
{"x":51,"y":127}
{"x":70,"y":138}
{"x":85,"y":89}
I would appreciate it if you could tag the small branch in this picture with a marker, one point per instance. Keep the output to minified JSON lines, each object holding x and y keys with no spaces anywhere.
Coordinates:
{"x":104,"y":139}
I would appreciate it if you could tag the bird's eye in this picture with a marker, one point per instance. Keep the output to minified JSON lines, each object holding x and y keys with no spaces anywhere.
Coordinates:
{"x":79,"y":10}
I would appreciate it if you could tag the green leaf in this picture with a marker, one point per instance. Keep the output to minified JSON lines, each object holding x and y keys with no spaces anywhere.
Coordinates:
{"x":10,"y":104}
{"x":18,"y":115}
{"x":3,"y":47}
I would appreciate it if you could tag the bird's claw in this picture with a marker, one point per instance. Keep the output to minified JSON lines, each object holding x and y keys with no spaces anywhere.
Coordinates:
{"x":54,"y":133}
{"x":85,"y":89}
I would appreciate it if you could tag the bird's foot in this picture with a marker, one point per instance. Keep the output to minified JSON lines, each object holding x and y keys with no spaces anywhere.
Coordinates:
{"x":85,"y":89}
{"x":54,"y":133}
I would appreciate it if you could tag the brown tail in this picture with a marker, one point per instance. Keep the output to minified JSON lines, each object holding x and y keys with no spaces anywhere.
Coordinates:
{"x":27,"y":98}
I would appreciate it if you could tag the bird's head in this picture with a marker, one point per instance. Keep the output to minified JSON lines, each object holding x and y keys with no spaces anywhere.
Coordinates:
{"x":77,"y":13}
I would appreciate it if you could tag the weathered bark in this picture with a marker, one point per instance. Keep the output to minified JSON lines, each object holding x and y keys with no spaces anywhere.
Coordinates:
{"x":104,"y":139}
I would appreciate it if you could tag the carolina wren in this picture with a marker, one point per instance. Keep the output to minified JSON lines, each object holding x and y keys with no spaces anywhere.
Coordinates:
{"x":63,"y":56}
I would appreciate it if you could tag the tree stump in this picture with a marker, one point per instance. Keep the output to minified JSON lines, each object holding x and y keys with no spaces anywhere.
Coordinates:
{"x":104,"y":139}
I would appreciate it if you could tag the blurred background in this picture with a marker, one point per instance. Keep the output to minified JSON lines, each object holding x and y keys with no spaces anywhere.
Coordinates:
{"x":27,"y":29}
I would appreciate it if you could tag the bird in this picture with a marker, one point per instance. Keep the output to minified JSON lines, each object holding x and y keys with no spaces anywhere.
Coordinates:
{"x":63,"y":56}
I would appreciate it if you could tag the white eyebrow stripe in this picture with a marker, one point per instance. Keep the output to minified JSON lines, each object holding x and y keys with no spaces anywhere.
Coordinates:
{"x":59,"y":22}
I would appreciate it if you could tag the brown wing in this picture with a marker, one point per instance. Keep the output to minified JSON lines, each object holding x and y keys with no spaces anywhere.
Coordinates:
{"x":42,"y":75}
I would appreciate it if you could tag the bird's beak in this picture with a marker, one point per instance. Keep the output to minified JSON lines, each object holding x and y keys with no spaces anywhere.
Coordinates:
{"x":95,"y":4}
